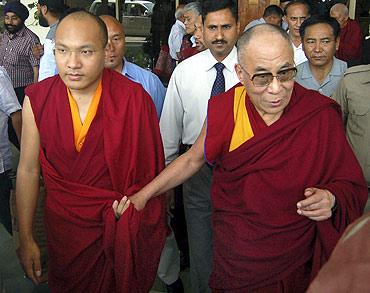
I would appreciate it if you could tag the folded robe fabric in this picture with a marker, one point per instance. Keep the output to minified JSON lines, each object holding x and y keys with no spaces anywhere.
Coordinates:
{"x":89,"y":251}
{"x":259,"y":239}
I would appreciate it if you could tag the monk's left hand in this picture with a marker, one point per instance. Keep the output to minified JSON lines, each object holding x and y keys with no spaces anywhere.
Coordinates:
{"x":318,"y":204}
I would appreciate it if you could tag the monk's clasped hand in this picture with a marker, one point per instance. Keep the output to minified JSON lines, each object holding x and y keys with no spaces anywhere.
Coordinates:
{"x":317,"y":205}
{"x":120,"y":207}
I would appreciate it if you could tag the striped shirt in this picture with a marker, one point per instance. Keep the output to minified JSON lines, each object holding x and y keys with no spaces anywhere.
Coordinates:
{"x":17,"y":58}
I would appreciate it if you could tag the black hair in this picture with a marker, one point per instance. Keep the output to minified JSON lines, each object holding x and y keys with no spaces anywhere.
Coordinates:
{"x":273,"y":10}
{"x":317,"y":19}
{"x":209,"y":6}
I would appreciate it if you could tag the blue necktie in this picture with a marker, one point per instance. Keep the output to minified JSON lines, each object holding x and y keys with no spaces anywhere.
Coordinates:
{"x":219,"y":84}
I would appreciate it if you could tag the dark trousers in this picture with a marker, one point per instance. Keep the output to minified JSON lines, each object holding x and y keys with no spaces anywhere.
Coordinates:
{"x":5,"y":216}
{"x":19,"y":91}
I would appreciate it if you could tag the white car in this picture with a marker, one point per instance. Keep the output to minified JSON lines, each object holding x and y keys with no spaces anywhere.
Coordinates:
{"x":136,"y":15}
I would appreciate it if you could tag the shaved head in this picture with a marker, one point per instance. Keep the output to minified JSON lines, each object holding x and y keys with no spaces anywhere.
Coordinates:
{"x":111,"y":21}
{"x":260,"y":34}
{"x":82,"y":16}
{"x":116,"y":43}
{"x":340,"y":8}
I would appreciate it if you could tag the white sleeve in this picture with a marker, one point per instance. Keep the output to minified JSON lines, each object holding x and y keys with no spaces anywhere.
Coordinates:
{"x":171,"y":122}
{"x":48,"y":66}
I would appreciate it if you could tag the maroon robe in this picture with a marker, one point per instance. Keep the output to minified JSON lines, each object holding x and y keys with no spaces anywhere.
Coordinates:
{"x":350,"y":42}
{"x":89,"y":250}
{"x":259,"y":239}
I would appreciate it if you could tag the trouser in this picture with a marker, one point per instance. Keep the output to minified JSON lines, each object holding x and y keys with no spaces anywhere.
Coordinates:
{"x":198,"y":212}
{"x":169,"y":265}
{"x":5,"y":217}
{"x":19,"y":91}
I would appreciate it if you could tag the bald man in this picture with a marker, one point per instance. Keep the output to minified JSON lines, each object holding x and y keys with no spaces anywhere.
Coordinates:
{"x":115,"y":59}
{"x":95,"y":135}
{"x":350,"y":44}
{"x":282,"y":192}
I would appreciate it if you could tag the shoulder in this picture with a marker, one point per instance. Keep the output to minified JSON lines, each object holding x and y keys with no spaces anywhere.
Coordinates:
{"x":31,"y":35}
{"x":342,"y":64}
{"x":358,"y":70}
{"x":141,"y":72}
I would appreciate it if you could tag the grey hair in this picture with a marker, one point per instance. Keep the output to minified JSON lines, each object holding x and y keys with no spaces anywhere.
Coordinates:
{"x":179,"y":12}
{"x":340,"y":7}
{"x":193,"y":7}
{"x":249,"y":34}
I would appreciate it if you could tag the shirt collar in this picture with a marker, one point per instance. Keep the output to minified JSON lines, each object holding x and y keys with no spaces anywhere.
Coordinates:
{"x":229,"y":61}
{"x":335,"y":69}
{"x":127,"y":69}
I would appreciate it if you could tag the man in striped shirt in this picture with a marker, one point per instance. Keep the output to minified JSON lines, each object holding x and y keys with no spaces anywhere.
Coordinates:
{"x":16,"y":52}
{"x":16,"y":48}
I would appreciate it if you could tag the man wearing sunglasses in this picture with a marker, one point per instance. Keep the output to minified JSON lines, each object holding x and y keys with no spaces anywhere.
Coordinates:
{"x":285,"y":180}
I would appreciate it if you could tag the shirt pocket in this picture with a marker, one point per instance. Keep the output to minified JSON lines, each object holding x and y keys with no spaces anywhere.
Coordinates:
{"x":359,"y":111}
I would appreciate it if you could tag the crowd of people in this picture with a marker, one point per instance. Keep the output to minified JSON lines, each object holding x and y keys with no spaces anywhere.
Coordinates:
{"x":267,"y":130}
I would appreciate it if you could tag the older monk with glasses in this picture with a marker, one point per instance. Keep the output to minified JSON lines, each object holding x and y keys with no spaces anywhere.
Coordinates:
{"x":286,"y":182}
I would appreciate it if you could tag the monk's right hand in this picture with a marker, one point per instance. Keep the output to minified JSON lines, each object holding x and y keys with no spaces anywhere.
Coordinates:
{"x":120,"y":207}
{"x":29,"y":257}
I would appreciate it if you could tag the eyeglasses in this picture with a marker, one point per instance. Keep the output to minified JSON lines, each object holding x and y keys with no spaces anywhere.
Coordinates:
{"x":264,"y":79}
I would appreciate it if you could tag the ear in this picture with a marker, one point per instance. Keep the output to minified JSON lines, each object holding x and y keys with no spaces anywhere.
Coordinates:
{"x":44,"y":9}
{"x":337,"y":43}
{"x":239,"y":73}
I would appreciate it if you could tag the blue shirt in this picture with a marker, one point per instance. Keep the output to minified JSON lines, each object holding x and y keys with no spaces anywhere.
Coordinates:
{"x":150,"y":82}
{"x":305,"y":77}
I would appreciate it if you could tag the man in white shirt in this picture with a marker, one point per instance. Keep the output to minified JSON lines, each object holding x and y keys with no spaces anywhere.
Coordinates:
{"x":191,"y":85}
{"x":177,"y":33}
{"x":296,"y":12}
{"x":49,"y":12}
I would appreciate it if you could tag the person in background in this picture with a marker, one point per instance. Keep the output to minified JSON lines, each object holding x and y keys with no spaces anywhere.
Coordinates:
{"x":322,"y":71}
{"x":352,"y":94}
{"x":169,"y":266}
{"x":191,"y":11}
{"x":177,"y":33}
{"x":296,"y":12}
{"x":273,"y":14}
{"x":115,"y":59}
{"x":49,"y":13}
{"x":193,"y":82}
{"x":16,"y":53}
{"x":350,"y":45}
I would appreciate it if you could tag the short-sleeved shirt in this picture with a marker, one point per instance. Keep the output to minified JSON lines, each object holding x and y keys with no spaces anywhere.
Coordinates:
{"x":8,"y":105}
{"x":17,"y":58}
{"x":305,"y":77}
{"x":48,"y":65}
